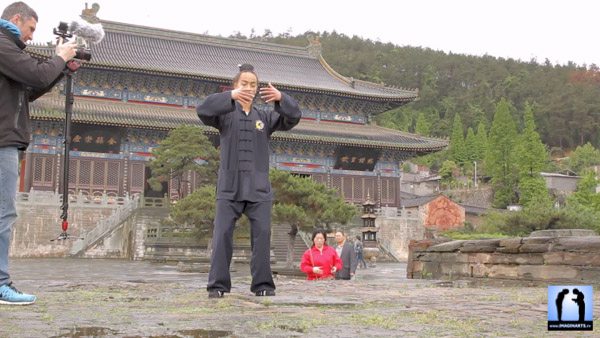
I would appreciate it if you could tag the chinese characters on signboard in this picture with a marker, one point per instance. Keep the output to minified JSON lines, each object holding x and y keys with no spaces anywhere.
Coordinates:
{"x":99,"y":139}
{"x":354,"y":158}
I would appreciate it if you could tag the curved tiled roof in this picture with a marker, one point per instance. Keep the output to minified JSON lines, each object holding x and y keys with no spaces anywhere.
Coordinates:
{"x":151,"y":116}
{"x":158,"y":50}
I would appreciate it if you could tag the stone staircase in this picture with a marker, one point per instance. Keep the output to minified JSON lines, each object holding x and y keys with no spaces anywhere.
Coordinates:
{"x":279,"y":242}
{"x":105,"y":226}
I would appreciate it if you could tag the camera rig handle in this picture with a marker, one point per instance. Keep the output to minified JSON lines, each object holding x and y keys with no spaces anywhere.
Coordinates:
{"x":71,"y":67}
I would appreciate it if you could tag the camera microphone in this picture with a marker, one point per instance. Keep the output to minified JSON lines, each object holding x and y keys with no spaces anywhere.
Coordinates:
{"x":92,"y":33}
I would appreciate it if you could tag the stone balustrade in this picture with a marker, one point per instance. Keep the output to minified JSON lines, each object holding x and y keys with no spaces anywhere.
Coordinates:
{"x":35,"y":197}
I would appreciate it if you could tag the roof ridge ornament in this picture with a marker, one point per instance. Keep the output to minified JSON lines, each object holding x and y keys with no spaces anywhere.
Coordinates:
{"x":314,"y":46}
{"x":89,"y":14}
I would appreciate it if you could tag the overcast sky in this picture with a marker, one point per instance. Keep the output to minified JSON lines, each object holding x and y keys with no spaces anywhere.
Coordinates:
{"x":557,"y":30}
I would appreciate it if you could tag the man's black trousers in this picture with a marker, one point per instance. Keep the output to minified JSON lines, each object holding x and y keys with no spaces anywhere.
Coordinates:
{"x":227,"y":213}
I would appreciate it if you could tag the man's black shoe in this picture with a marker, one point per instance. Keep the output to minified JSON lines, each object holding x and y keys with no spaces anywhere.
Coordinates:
{"x":263,"y":293}
{"x":215,"y":294}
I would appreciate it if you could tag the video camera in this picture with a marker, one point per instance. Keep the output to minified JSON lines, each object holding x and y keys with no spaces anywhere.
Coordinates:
{"x":83,"y":52}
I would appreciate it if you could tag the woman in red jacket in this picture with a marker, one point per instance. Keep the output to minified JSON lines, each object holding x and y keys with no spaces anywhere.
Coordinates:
{"x":321,"y":261}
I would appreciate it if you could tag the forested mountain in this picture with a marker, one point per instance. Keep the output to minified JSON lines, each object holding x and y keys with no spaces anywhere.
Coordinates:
{"x":565,"y":98}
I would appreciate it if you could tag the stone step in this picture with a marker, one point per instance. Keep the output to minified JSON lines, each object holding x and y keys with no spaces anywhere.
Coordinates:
{"x":279,"y":243}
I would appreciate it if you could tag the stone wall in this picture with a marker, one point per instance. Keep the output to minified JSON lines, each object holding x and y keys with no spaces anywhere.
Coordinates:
{"x":480,"y":197}
{"x":571,"y":259}
{"x":38,"y":223}
{"x":397,"y":232}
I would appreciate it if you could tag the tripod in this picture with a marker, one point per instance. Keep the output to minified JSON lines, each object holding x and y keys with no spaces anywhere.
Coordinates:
{"x":70,"y":69}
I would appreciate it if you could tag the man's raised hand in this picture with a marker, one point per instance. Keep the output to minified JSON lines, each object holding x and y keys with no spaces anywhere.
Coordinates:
{"x":270,"y":94}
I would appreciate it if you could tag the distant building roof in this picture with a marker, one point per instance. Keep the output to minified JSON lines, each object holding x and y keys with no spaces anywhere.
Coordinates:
{"x":476,"y":210}
{"x":418,"y":201}
{"x":412,"y":177}
{"x":408,"y":195}
{"x":155,"y":50}
{"x":568,"y":175}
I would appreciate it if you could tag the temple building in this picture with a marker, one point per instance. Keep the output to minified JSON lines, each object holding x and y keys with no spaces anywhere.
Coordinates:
{"x":144,"y":81}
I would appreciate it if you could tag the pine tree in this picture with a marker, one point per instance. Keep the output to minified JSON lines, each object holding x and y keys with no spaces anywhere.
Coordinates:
{"x":586,"y":195}
{"x":531,"y":158}
{"x":457,"y":142}
{"x":499,"y":160}
{"x":583,"y":158}
{"x":482,"y":141}
{"x":186,"y":148}
{"x":422,"y":126}
{"x":533,"y":190}
{"x":471,"y":146}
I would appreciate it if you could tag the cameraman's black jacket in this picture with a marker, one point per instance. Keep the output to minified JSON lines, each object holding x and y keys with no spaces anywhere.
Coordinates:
{"x":22,"y":80}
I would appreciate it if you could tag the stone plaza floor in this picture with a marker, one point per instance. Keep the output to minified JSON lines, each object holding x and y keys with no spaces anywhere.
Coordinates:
{"x":117,"y":298}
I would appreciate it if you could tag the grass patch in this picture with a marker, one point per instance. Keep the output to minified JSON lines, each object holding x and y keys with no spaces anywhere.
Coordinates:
{"x":190,"y":310}
{"x":439,"y":321}
{"x":388,"y":322}
{"x":464,"y":235}
{"x":299,"y":325}
{"x":491,"y":298}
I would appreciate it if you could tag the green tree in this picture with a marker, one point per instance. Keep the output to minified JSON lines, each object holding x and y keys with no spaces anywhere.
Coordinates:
{"x":499,"y":160}
{"x":186,"y":148}
{"x":536,"y":216}
{"x":586,"y":194}
{"x":583,"y":158}
{"x":481,"y":142}
{"x":471,"y":148}
{"x":583,"y":206}
{"x":399,"y":118}
{"x":457,"y":142}
{"x":447,"y":170}
{"x":532,"y":155}
{"x":533,"y":189}
{"x":197,"y":208}
{"x":422,"y":126}
{"x":531,"y":158}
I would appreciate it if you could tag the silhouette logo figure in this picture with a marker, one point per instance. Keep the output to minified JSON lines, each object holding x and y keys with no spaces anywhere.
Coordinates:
{"x":559,"y":302}
{"x":580,"y":304}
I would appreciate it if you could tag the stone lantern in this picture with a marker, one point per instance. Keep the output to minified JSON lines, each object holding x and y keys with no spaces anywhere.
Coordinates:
{"x":369,"y":232}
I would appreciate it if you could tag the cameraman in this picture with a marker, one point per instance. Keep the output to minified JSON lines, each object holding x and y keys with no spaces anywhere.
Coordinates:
{"x":22,"y":79}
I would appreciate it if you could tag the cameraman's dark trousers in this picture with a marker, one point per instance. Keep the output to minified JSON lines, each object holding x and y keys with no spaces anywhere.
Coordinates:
{"x":227,"y":213}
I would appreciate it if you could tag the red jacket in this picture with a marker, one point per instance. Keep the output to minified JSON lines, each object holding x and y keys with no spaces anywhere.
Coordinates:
{"x":326,"y":259}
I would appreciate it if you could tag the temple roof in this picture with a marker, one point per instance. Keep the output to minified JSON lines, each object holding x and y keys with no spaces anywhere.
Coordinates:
{"x":161,"y":51}
{"x":151,"y":116}
{"x":418,"y":201}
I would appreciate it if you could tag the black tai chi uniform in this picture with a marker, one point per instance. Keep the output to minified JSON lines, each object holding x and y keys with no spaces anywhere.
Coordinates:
{"x":243,"y":182}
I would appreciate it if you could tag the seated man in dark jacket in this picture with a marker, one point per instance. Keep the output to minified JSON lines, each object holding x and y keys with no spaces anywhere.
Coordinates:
{"x":22,"y":79}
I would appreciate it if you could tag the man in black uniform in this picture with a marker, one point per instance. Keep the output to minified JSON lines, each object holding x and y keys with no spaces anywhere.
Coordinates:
{"x":243,"y":184}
